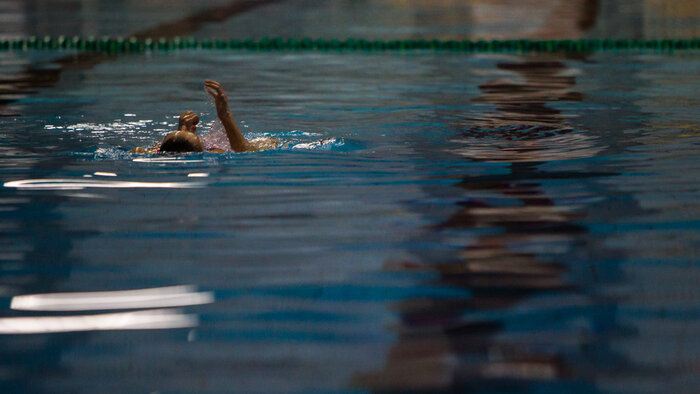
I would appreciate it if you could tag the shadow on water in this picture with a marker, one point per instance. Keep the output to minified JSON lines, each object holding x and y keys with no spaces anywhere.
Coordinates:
{"x":528,"y":260}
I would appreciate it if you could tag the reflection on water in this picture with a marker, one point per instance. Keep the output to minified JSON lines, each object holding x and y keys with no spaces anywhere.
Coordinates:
{"x":79,"y":184}
{"x":517,"y":235}
{"x":515,"y":144}
{"x":141,"y":320}
{"x":126,"y":299}
{"x":150,"y":319}
{"x":198,"y":175}
{"x":522,"y":99}
{"x":524,"y":127}
{"x":168,"y":160}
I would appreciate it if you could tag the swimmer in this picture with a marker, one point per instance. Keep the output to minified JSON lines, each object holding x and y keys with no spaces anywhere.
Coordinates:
{"x":185,"y":138}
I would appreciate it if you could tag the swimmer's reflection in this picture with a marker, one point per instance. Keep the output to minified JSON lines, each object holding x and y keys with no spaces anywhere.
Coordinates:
{"x":517,"y":235}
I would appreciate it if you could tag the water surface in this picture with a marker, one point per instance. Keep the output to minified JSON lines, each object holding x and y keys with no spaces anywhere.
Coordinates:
{"x":434,"y":222}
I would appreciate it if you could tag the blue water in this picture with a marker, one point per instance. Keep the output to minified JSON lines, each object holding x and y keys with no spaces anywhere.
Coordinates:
{"x":433,"y":222}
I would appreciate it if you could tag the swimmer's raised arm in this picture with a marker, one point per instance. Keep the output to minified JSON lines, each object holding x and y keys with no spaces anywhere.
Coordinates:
{"x":235,"y":137}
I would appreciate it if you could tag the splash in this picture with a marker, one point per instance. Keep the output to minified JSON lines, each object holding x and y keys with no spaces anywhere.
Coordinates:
{"x":287,"y":139}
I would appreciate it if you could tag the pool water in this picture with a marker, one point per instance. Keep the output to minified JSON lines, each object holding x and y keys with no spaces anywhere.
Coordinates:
{"x":433,"y":222}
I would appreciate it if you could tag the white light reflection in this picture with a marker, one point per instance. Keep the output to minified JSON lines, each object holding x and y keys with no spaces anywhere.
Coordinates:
{"x":101,"y":300}
{"x":85,"y":195}
{"x":197,"y":175}
{"x":165,"y":160}
{"x":140,"y":320}
{"x":79,"y":184}
{"x":105,"y":174}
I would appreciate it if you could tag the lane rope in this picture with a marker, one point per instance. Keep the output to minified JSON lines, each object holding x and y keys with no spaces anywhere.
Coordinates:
{"x":134,"y":45}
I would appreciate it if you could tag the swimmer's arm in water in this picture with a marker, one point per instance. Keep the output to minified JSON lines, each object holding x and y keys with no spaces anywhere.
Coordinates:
{"x":235,"y":137}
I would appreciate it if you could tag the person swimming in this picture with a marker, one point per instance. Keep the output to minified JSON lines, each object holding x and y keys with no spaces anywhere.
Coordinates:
{"x":185,"y":139}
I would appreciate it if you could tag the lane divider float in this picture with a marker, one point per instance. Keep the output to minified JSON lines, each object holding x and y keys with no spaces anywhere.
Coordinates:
{"x":135,"y":45}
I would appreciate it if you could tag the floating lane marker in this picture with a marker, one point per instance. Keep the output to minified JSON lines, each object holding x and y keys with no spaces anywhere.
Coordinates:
{"x":149,"y":44}
{"x":79,"y":184}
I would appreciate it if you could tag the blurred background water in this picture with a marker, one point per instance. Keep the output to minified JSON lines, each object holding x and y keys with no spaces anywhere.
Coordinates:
{"x":434,"y":222}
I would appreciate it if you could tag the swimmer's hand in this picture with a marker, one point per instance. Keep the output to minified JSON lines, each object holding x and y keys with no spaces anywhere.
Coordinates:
{"x":235,"y":137}
{"x":214,"y":88}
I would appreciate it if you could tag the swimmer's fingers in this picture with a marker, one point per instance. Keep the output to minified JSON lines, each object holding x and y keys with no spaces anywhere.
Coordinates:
{"x":217,"y":91}
{"x":209,"y":84}
{"x":211,"y":87}
{"x":215,"y":85}
{"x":211,"y":91}
{"x":214,"y":88}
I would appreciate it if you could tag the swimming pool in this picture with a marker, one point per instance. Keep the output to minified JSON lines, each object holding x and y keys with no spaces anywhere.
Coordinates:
{"x":434,"y":221}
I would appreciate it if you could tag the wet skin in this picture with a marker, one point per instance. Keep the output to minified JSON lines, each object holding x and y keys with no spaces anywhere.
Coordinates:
{"x":185,"y":138}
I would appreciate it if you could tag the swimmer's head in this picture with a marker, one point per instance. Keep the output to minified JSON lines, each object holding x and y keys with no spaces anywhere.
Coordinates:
{"x":188,"y":121}
{"x":182,"y":141}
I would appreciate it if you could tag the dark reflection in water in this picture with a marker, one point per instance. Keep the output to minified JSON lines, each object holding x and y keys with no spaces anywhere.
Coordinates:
{"x":525,"y":127}
{"x":524,"y":103}
{"x":529,"y":321}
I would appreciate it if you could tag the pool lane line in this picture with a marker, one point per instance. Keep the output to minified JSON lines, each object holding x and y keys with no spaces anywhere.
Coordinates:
{"x":166,"y":42}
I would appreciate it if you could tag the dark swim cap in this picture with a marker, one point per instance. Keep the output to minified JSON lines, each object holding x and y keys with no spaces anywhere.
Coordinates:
{"x":181,"y":141}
